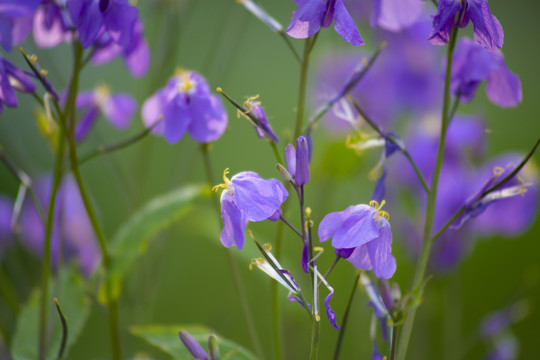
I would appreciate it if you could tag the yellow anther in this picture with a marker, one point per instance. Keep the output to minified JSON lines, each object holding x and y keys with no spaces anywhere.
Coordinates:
{"x":226,"y":181}
{"x":384,"y":215}
{"x":317,"y":317}
{"x":43,"y":72}
{"x":187,"y":84}
{"x":319,"y":249}
{"x":309,"y":223}
{"x":267,"y":247}
{"x":308,"y":212}
{"x":523,"y":188}
{"x":380,"y":213}
{"x":498,"y":171}
{"x":250,"y":233}
{"x":255,"y":262}
{"x":250,"y":102}
{"x":33,"y":59}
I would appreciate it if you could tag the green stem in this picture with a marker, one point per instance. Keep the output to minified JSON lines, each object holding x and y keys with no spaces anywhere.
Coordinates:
{"x":239,"y":285}
{"x":57,"y":176}
{"x":432,"y":196}
{"x":71,"y":112}
{"x":339,"y":342}
{"x":285,"y":37}
{"x":393,"y":346}
{"x":276,"y":311}
{"x":308,"y":46}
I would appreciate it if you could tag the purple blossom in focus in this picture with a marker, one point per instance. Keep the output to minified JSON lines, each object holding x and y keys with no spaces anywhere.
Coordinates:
{"x":263,"y":127}
{"x":314,"y":14}
{"x":472,"y":64}
{"x":118,"y":109}
{"x":248,"y":197}
{"x":185,"y":104}
{"x":366,"y":230}
{"x":451,"y":13}
{"x":11,"y":79}
{"x":72,"y":237}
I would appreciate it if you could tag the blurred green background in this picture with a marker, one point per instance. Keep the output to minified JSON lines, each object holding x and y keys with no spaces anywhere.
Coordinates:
{"x":184,"y":277}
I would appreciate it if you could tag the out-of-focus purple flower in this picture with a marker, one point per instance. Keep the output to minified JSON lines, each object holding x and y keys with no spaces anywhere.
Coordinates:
{"x":451,"y":13}
{"x":15,"y":21}
{"x":185,"y":104}
{"x":118,"y":109}
{"x":505,"y":349}
{"x":298,"y":161}
{"x":136,"y":55}
{"x":247,"y":197}
{"x":92,"y":17}
{"x":12,"y":78}
{"x":6,"y":206}
{"x":496,"y":322}
{"x":405,"y":75}
{"x":263,"y":127}
{"x":314,"y":14}
{"x":509,"y":210}
{"x":394,"y":15}
{"x":73,"y":236}
{"x":52,"y":24}
{"x":366,"y":229}
{"x":472,"y":64}
{"x":193,"y":346}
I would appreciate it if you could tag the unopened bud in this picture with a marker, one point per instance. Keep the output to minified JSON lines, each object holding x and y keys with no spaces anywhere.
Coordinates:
{"x":283,"y":172}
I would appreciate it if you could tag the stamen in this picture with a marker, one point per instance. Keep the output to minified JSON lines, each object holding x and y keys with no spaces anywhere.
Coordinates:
{"x":226,"y":183}
{"x":498,"y":171}
{"x":267,"y":247}
{"x":186,"y":85}
{"x":380,"y":213}
{"x":256,"y":262}
{"x":523,"y":188}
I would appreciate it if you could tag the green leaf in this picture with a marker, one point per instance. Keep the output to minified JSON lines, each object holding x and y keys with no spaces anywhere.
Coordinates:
{"x":165,"y":337}
{"x":75,"y":306}
{"x":134,"y":236}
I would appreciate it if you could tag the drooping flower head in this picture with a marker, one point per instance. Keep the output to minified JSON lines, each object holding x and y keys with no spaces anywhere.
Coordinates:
{"x":12,"y":78}
{"x":472,"y":64}
{"x":362,"y":235}
{"x":118,"y":109}
{"x":72,"y":235}
{"x":263,"y":127}
{"x":247,"y":197}
{"x":314,"y":14}
{"x":185,"y":104}
{"x":457,"y":13}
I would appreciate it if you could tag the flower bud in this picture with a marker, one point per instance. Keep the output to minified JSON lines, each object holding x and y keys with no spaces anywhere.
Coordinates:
{"x":301,"y":175}
{"x":193,"y":346}
{"x":283,"y":172}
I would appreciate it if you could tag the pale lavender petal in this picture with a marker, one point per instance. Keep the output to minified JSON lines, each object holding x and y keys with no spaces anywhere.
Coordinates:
{"x":176,"y":119}
{"x":345,"y":26}
{"x":256,"y":197}
{"x":380,"y":255}
{"x":209,"y":118}
{"x":119,"y":109}
{"x":488,"y":31}
{"x":290,"y":154}
{"x":333,"y":221}
{"x":234,"y":222}
{"x":21,"y":28}
{"x":360,"y":258}
{"x":104,"y":54}
{"x":152,"y":111}
{"x":329,"y":312}
{"x":357,"y":230}
{"x":306,"y":20}
{"x":503,"y":87}
{"x":47,"y":37}
{"x":399,"y":15}
{"x":138,"y":60}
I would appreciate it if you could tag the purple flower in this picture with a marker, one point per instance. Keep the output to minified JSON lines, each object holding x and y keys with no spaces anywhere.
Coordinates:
{"x":52,"y":24}
{"x":136,"y":55}
{"x":91,"y":17}
{"x":247,"y":197}
{"x":312,"y":14}
{"x":451,"y":13}
{"x":118,"y":109}
{"x":366,"y":230}
{"x":394,"y":15}
{"x":185,"y":104}
{"x":263,"y":126}
{"x":193,"y":346}
{"x":72,"y":237}
{"x":298,"y":161}
{"x":472,"y":64}
{"x":12,"y":78}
